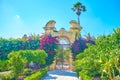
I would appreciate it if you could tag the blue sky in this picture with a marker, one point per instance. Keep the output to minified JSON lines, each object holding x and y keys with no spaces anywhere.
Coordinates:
{"x":19,"y":17}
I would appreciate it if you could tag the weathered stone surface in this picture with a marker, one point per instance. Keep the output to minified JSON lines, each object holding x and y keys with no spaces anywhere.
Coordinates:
{"x":71,"y":35}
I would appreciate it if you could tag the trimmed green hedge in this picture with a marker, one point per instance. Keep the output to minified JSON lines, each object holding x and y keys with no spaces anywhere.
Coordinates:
{"x":7,"y":45}
{"x":37,"y":75}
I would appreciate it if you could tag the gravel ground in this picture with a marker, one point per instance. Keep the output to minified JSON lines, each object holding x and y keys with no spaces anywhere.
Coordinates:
{"x":60,"y":75}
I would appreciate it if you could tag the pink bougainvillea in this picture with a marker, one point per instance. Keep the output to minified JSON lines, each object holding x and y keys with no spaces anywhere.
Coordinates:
{"x":47,"y":40}
{"x":49,"y":44}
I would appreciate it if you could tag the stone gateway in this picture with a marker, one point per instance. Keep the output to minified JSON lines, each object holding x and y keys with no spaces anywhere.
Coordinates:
{"x":68,"y":36}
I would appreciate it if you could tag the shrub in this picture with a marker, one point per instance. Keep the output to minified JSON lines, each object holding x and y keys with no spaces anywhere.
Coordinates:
{"x":4,"y":66}
{"x":17,"y":63}
{"x":27,"y":71}
{"x":101,"y":59}
{"x":18,"y":59}
{"x":80,"y":45}
{"x":8,"y":45}
{"x":37,"y":75}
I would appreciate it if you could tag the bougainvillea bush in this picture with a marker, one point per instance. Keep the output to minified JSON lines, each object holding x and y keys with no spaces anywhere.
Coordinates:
{"x":49,"y":44}
{"x":79,"y":45}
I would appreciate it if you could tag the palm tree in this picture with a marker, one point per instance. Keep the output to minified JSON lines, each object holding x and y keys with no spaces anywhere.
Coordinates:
{"x":79,"y":7}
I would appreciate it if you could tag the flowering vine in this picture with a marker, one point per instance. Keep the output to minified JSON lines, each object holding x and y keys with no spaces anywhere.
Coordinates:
{"x":49,"y":44}
{"x":79,"y":45}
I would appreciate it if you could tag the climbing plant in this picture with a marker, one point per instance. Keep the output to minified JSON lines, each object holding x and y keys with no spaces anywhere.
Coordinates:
{"x":49,"y":44}
{"x":79,"y":45}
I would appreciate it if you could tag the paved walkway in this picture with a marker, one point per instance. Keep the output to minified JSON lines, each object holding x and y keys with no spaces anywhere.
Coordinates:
{"x":60,"y":75}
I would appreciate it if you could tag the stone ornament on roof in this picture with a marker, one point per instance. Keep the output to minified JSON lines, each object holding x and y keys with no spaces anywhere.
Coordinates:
{"x":50,"y":24}
{"x":71,"y":35}
{"x":74,"y":24}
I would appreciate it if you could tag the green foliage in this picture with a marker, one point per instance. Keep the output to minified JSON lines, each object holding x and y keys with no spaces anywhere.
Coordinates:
{"x":17,"y":63}
{"x":62,"y":54}
{"x":79,"y":7}
{"x":27,"y":71}
{"x":80,"y":45}
{"x":4,"y":65}
{"x":37,"y":56}
{"x":101,"y":59}
{"x":18,"y":59}
{"x":84,"y":76}
{"x":7,"y":45}
{"x":37,"y":75}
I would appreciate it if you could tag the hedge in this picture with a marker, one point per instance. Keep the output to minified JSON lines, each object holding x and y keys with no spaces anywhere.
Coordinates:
{"x":37,"y":75}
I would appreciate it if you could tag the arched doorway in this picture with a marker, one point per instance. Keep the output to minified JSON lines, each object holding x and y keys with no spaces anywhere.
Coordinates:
{"x":63,"y":54}
{"x":64,"y":42}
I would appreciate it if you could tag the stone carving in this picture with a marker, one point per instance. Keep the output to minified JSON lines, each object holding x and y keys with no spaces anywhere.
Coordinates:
{"x":50,"y":24}
{"x":74,"y":24}
{"x":71,"y":35}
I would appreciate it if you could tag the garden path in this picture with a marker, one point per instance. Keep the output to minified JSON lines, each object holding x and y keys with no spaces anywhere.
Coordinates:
{"x":60,"y":75}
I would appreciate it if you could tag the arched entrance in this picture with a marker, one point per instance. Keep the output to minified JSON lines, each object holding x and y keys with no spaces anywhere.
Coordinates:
{"x":63,"y":54}
{"x":64,"y":42}
{"x":66,"y":38}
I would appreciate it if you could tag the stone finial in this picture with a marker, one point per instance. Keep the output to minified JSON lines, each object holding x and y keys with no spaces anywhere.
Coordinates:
{"x":50,"y":24}
{"x":74,"y":24}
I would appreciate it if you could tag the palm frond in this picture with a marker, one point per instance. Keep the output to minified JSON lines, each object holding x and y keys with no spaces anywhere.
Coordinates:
{"x":83,"y":8}
{"x":73,"y":9}
{"x":78,"y":5}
